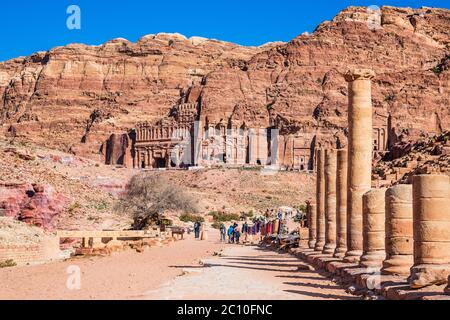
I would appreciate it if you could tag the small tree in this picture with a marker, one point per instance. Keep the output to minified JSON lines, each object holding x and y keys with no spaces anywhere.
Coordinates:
{"x":150,"y":195}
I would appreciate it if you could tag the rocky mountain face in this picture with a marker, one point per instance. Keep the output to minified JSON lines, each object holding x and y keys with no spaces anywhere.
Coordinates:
{"x":300,"y":85}
{"x":74,"y":97}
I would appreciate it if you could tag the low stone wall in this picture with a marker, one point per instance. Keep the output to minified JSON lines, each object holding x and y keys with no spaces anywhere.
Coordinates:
{"x":31,"y":254}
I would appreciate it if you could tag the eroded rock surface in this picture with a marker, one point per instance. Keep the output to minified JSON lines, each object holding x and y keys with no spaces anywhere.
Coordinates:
{"x":74,"y":97}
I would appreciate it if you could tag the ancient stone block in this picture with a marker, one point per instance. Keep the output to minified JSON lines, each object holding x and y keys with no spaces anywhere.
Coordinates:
{"x":399,"y":231}
{"x":431,"y":225}
{"x":373,"y":229}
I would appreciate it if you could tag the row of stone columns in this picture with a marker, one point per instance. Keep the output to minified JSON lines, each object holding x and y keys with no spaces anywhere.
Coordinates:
{"x":403,"y":230}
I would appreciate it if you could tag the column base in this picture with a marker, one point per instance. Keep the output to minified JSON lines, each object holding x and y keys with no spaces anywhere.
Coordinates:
{"x":399,"y":265}
{"x":312,"y":244}
{"x":303,"y":244}
{"x":372,"y":259}
{"x":340,"y":253}
{"x":319,"y":246}
{"x":329,"y":249}
{"x":353,"y":256}
{"x":425,"y":275}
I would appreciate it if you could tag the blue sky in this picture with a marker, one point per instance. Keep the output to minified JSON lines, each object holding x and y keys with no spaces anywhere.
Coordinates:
{"x":29,"y":25}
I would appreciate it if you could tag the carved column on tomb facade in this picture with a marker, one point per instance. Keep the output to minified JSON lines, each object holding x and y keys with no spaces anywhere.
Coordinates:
{"x":320,"y":201}
{"x":431,"y":225}
{"x":330,"y":201}
{"x":373,"y":228}
{"x":399,"y":231}
{"x":359,"y":156}
{"x":341,"y":204}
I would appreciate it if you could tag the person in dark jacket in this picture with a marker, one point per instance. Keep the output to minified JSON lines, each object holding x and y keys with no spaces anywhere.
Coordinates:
{"x":197,"y":226}
{"x":223,"y":232}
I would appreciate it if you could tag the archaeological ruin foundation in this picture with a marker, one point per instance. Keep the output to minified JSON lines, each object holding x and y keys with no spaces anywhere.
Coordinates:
{"x":373,"y":232}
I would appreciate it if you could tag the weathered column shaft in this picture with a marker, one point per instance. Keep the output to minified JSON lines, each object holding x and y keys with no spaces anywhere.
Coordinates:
{"x":312,"y":222}
{"x":373,"y":229}
{"x":447,"y":290}
{"x":431,"y":225}
{"x":359,"y":157}
{"x":399,"y":231}
{"x":330,"y":201}
{"x":320,"y":201}
{"x":341,"y":204}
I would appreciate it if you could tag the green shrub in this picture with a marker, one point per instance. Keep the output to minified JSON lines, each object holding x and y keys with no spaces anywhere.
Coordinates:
{"x":437,"y":70}
{"x":188,"y":217}
{"x":224,"y":217}
{"x":101,"y":205}
{"x":74,"y":207}
{"x":7,"y":263}
{"x":216,"y":225}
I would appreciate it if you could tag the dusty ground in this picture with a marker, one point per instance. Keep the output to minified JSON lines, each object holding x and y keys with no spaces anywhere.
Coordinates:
{"x":124,"y":275}
{"x":249,"y":273}
{"x":174,"y":272}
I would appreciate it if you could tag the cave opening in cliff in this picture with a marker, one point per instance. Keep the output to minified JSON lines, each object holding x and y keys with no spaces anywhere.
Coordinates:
{"x":160,"y":163}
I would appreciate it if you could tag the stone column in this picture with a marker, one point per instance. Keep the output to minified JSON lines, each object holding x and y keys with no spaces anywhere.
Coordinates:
{"x":399,"y":231}
{"x":431,"y":225}
{"x":312,"y":223}
{"x":447,"y":290}
{"x":341,"y":204}
{"x":330,"y":201}
{"x":359,"y":156}
{"x":373,"y":229}
{"x":320,"y":201}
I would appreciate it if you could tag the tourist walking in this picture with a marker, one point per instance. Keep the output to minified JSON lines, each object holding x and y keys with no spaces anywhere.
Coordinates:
{"x":223,"y":232}
{"x":231,"y":234}
{"x":237,"y":234}
{"x":245,"y":231}
{"x":197,"y":226}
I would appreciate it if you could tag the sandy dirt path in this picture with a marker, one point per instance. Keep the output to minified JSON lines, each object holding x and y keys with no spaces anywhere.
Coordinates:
{"x":249,"y":272}
{"x":123,"y":275}
{"x":184,"y":270}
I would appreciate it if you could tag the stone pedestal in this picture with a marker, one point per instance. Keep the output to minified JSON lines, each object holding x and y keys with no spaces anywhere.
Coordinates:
{"x":373,"y":229}
{"x":312,"y":222}
{"x":399,"y":231}
{"x":276,"y":226}
{"x":204,"y":235}
{"x":359,"y":156}
{"x":320,"y":201}
{"x":431,"y":225}
{"x":330,"y":201}
{"x":341,"y":204}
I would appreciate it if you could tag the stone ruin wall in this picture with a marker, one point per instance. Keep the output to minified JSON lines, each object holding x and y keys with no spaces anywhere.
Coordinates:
{"x":26,"y":254}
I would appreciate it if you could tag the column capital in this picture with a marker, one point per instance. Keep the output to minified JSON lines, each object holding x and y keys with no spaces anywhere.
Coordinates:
{"x":359,"y":74}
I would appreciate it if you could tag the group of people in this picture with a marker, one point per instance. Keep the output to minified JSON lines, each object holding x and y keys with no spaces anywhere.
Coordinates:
{"x":233,"y":232}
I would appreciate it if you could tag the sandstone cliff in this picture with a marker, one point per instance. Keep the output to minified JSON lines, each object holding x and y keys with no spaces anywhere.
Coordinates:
{"x":300,"y":85}
{"x":74,"y":97}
